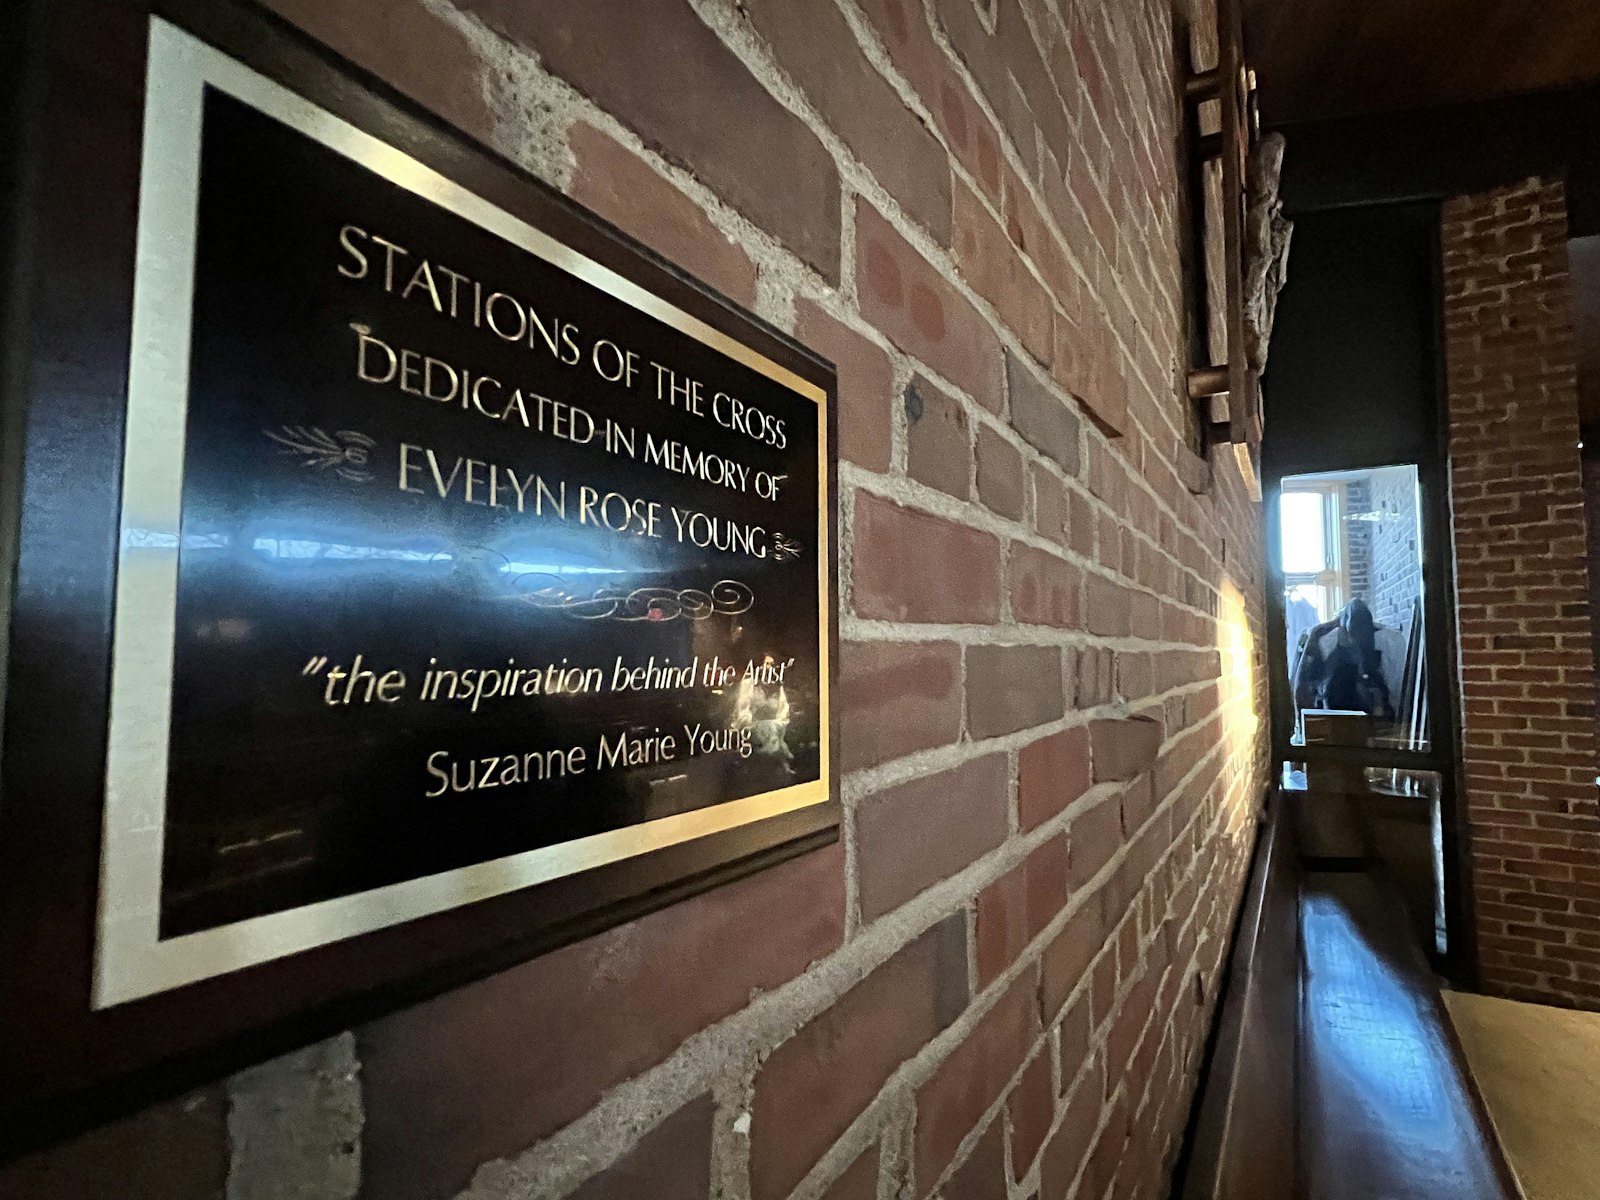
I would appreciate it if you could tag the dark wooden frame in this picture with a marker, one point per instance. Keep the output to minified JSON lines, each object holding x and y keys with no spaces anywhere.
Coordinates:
{"x":69,"y":204}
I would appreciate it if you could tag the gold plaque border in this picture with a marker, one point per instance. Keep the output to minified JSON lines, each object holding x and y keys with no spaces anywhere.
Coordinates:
{"x":131,"y":958}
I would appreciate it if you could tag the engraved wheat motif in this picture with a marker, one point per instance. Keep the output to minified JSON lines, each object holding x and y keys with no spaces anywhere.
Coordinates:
{"x":343,"y":452}
{"x":784,"y":547}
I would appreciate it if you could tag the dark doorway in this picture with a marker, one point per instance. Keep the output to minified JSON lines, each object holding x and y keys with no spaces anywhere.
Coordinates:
{"x":1359,"y":586}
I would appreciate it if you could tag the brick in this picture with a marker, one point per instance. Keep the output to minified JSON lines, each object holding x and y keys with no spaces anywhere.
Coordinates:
{"x":1045,"y":589}
{"x":900,"y":566}
{"x":1123,"y":749}
{"x":671,"y":1162}
{"x":999,"y":274}
{"x":860,"y":1179}
{"x":1096,"y":834}
{"x":1052,"y":510}
{"x":1069,"y":1146}
{"x":1001,"y":484}
{"x":1032,"y":1109}
{"x":1108,"y":478}
{"x":1069,"y":361}
{"x":408,"y":45}
{"x":173,"y":1151}
{"x":1085,"y":61}
{"x":1045,"y":421}
{"x":985,"y":58}
{"x":1081,"y":526}
{"x":617,"y":184}
{"x":971,"y":1078}
{"x":866,"y":380}
{"x":1128,"y":1026}
{"x":1028,"y":69}
{"x":680,"y":107}
{"x":442,"y":1094}
{"x":1014,"y":909}
{"x":906,"y":35}
{"x":1108,"y":1151}
{"x":969,"y":131}
{"x":910,"y":837}
{"x":1194,"y":471}
{"x":1067,"y":959}
{"x":1139,"y":804}
{"x":1025,"y":225}
{"x":896,"y":698}
{"x":1051,"y":773}
{"x":982,"y":1176}
{"x":1107,"y":608}
{"x":938,"y":439}
{"x":815,"y":1084}
{"x":1012,"y":687}
{"x":921,"y":311}
{"x":1077,"y":1051}
{"x":1104,"y":393}
{"x":814,"y":43}
{"x":1144,"y":613}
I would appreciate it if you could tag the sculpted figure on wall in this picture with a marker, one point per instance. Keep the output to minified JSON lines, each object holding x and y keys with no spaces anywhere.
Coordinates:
{"x":1266,"y":245}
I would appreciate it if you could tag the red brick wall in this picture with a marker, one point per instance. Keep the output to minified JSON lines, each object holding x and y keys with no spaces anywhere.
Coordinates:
{"x":1051,"y":677}
{"x":1527,"y":667}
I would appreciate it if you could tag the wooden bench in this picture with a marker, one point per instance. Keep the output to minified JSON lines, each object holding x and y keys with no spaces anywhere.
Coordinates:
{"x":1334,"y":1072}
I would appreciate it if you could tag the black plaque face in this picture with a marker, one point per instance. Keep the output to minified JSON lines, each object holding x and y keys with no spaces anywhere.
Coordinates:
{"x":452,"y":561}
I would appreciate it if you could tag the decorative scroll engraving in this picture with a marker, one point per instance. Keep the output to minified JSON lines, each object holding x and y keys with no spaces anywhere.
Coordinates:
{"x":344,"y":452}
{"x":726,"y":597}
{"x":784,"y":547}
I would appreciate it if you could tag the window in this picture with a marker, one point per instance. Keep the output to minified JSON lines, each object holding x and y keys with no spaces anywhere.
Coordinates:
{"x":1312,"y":537}
{"x":1351,"y":551}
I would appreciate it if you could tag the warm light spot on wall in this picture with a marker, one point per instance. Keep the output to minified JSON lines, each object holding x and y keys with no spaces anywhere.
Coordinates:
{"x":1239,"y":703}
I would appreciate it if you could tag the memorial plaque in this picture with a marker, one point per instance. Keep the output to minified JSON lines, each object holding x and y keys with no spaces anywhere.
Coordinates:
{"x":463,"y":552}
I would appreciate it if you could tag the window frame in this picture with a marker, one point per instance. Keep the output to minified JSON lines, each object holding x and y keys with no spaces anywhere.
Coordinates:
{"x":1332,"y":579}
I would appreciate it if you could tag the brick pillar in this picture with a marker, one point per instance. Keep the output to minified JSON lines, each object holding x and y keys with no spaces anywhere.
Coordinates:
{"x":1527,"y":667}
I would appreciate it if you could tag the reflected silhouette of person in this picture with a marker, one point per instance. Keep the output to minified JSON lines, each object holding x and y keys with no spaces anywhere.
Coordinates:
{"x":1344,"y":670}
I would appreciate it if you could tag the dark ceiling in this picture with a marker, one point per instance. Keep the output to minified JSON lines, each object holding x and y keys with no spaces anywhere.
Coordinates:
{"x":1334,"y":58}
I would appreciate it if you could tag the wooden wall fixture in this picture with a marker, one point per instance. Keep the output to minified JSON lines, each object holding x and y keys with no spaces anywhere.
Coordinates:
{"x":1255,"y":244}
